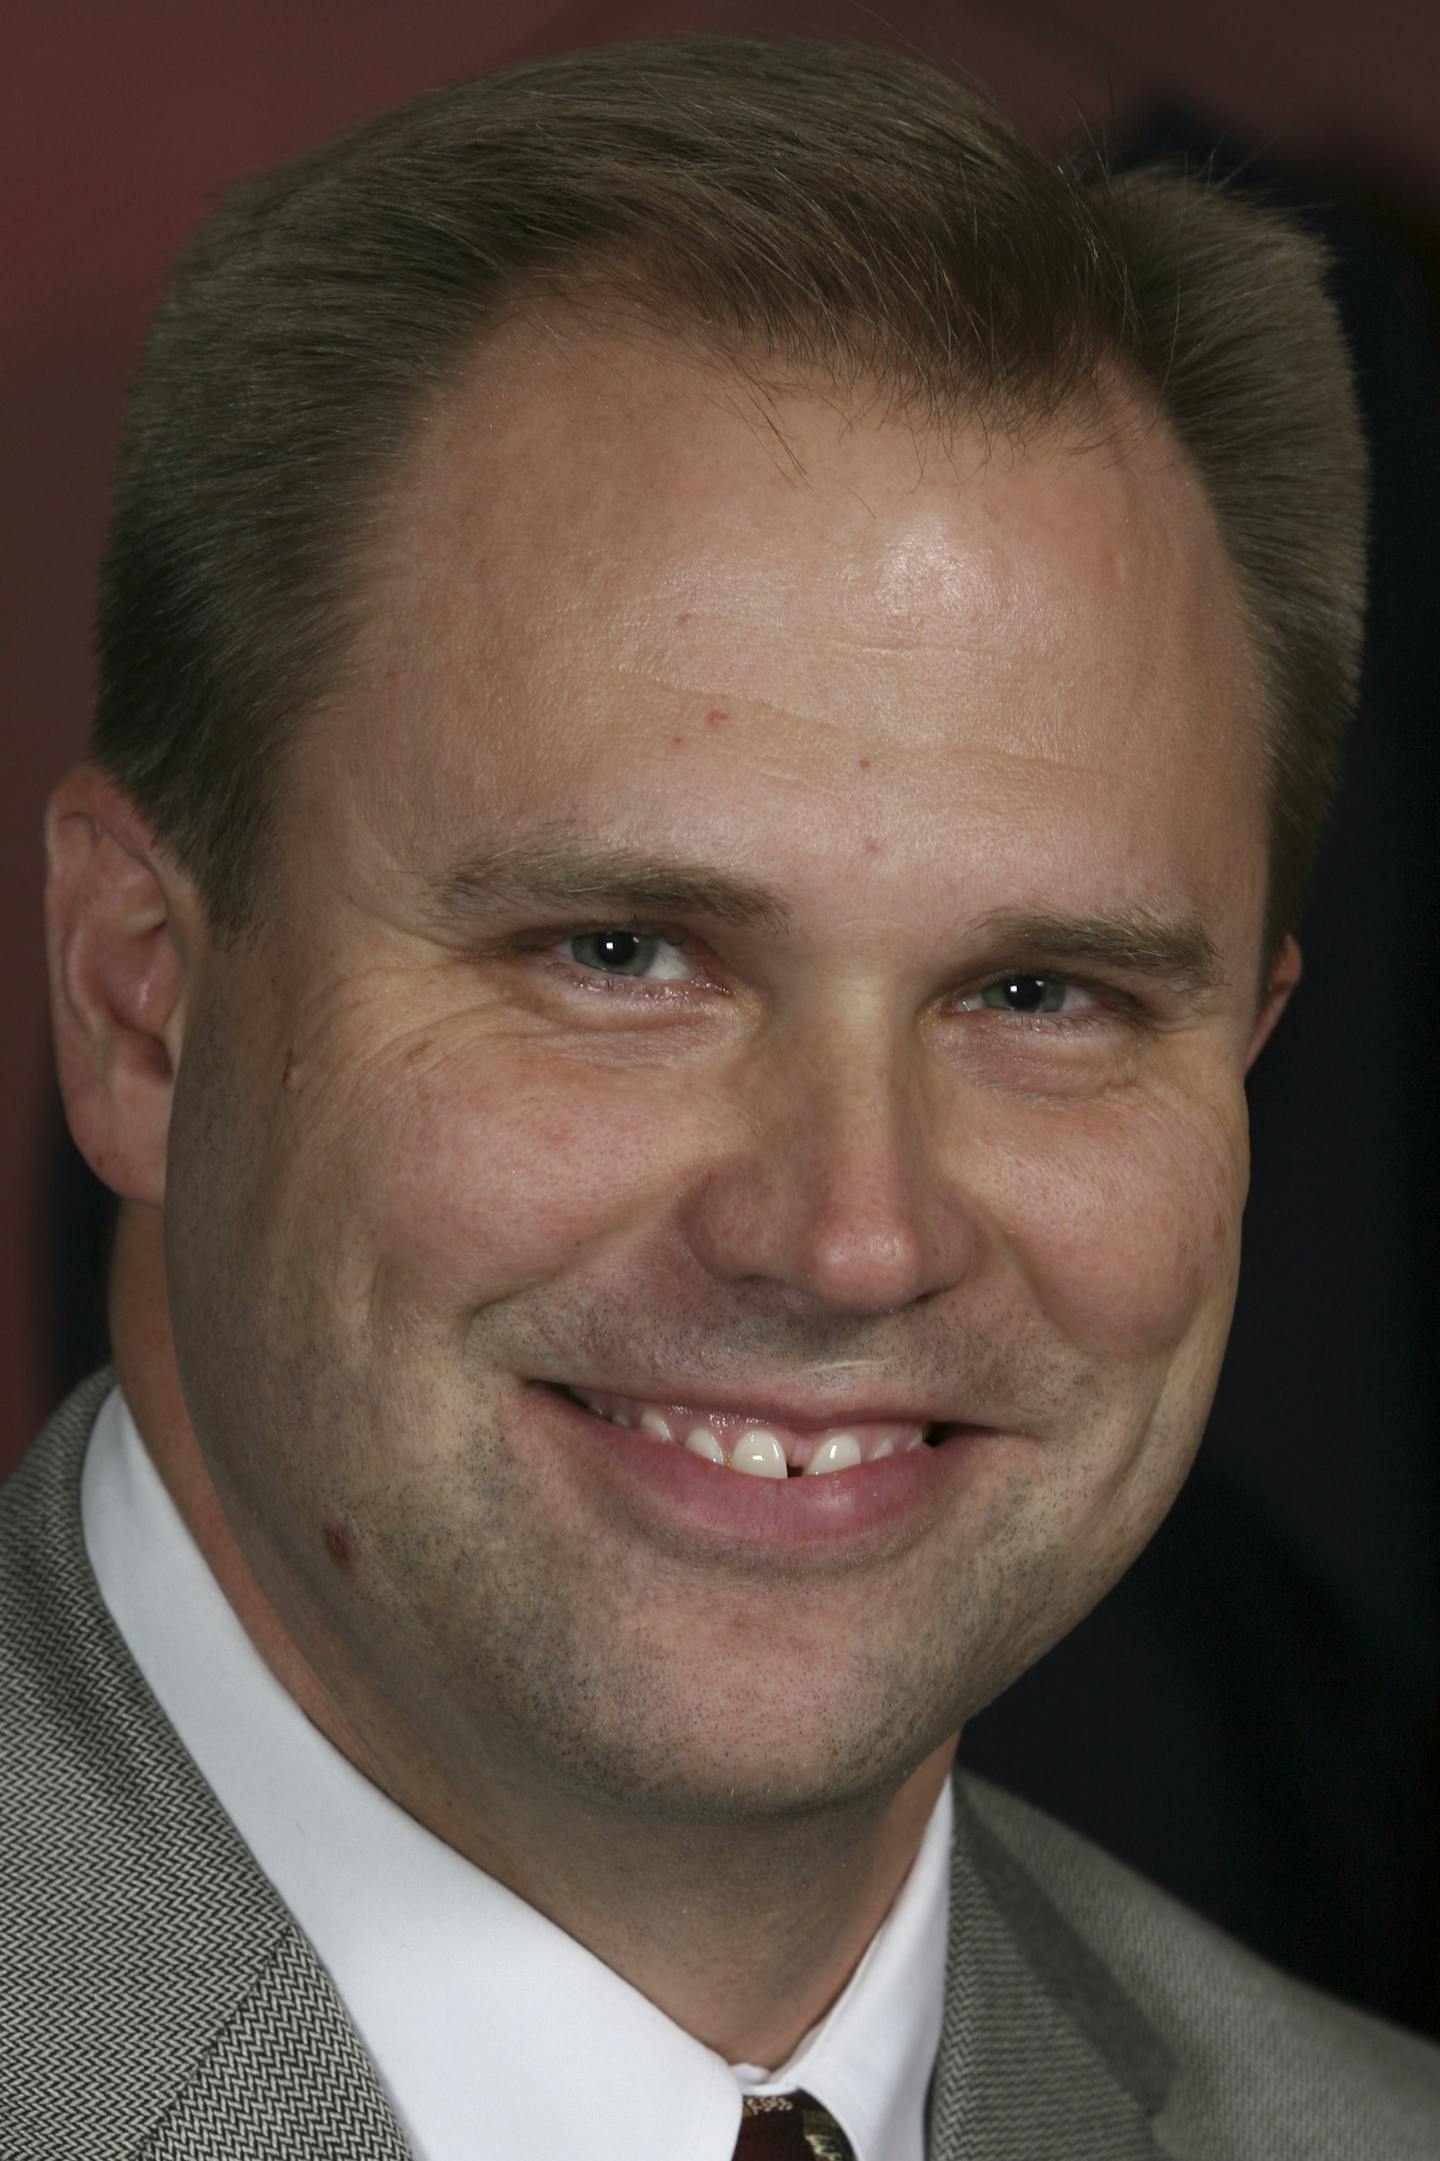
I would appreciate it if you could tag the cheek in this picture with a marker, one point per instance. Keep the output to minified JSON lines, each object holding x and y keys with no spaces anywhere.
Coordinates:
{"x":509,"y":1171}
{"x":1126,"y":1219}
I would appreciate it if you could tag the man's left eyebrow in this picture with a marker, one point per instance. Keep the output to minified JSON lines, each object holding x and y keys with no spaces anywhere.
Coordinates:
{"x":1176,"y":950}
{"x":562,"y":873}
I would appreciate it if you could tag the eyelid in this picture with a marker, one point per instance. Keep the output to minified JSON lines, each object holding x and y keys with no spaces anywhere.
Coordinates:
{"x":661,"y":934}
{"x":544,"y":935}
{"x":573,"y":924}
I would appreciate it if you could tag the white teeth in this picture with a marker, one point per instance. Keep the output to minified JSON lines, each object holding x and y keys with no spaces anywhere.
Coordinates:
{"x":759,"y":1453}
{"x":840,"y":1453}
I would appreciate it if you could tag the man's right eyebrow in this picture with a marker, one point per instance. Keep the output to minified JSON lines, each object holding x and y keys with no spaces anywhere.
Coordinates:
{"x":567,"y":874}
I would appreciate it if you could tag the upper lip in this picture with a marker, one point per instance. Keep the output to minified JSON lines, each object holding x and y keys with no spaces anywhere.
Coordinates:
{"x":762,"y":1403}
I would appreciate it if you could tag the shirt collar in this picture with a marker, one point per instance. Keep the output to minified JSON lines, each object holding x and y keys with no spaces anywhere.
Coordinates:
{"x":475,"y":2009}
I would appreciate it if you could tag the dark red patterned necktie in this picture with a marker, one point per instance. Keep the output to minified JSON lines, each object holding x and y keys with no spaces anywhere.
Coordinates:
{"x":789,"y":2127}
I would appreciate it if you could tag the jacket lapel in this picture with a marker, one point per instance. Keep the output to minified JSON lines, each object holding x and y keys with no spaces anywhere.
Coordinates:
{"x":287,"y":2080}
{"x":1043,"y":2057}
{"x":161,"y":2001}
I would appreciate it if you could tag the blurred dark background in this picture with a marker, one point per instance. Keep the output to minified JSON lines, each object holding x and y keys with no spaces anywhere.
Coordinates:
{"x":1250,"y":1718}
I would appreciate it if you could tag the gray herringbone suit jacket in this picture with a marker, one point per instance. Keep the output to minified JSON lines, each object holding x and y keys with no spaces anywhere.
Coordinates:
{"x":157,"y":2000}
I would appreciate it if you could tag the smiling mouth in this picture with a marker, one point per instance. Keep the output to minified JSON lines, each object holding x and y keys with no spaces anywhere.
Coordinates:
{"x":761,"y":1447}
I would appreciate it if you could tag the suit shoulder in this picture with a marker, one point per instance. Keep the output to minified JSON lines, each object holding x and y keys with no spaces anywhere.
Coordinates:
{"x":1264,"y":2064}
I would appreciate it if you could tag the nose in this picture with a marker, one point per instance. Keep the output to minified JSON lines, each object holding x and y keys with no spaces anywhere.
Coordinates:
{"x":844,"y":1193}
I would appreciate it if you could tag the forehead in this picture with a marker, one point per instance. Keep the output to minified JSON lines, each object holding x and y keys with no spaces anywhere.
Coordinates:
{"x":614,"y":578}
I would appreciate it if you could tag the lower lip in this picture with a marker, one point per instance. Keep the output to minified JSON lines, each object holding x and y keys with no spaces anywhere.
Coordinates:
{"x":661,"y":1480}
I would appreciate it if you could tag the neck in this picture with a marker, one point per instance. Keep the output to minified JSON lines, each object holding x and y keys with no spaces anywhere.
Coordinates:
{"x":743,"y":1933}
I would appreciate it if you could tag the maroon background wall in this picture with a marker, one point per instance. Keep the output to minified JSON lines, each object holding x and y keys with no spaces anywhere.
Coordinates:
{"x":120,"y":118}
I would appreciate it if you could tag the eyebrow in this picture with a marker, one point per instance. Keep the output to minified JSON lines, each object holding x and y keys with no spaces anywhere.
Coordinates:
{"x":1174,"y":949}
{"x":564,"y":873}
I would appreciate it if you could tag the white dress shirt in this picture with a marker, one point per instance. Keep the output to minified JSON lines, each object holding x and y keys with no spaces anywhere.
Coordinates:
{"x":492,"y":2031}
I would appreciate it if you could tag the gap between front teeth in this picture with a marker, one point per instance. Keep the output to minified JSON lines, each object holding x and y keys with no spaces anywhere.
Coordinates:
{"x":757,"y":1452}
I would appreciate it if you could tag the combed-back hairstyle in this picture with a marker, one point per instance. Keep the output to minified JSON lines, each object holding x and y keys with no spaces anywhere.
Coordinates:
{"x":797,"y":206}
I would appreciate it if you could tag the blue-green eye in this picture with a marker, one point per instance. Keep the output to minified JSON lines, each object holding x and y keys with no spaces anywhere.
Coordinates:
{"x":627,"y":953}
{"x":1033,"y":997}
{"x":1026,"y":994}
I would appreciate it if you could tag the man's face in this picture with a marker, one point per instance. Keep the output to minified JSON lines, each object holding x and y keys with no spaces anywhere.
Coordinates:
{"x":860,"y":1115}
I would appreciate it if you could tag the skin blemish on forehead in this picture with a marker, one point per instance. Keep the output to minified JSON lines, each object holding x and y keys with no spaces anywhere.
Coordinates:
{"x":290,"y":1078}
{"x":864,"y":764}
{"x":715,"y":718}
{"x":337,"y":1545}
{"x":677,"y":742}
{"x":871,"y":845}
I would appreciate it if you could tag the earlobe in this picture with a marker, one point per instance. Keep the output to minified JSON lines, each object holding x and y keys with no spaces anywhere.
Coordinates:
{"x":116,"y":980}
{"x":1285,"y":972}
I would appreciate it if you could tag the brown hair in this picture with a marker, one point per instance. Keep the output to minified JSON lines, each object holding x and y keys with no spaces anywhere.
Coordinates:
{"x":815,"y":205}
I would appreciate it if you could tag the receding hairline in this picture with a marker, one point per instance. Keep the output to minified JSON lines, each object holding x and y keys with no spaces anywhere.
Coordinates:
{"x":589,"y":316}
{"x":1118,"y":417}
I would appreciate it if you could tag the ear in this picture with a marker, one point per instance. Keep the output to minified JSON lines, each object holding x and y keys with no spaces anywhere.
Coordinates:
{"x":1285,"y":972}
{"x":116,"y":916}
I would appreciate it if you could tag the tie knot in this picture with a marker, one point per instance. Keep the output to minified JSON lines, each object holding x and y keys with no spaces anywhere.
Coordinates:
{"x":789,"y":2127}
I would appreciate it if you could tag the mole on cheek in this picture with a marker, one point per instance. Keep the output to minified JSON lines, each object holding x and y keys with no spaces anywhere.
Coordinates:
{"x":337,"y":1545}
